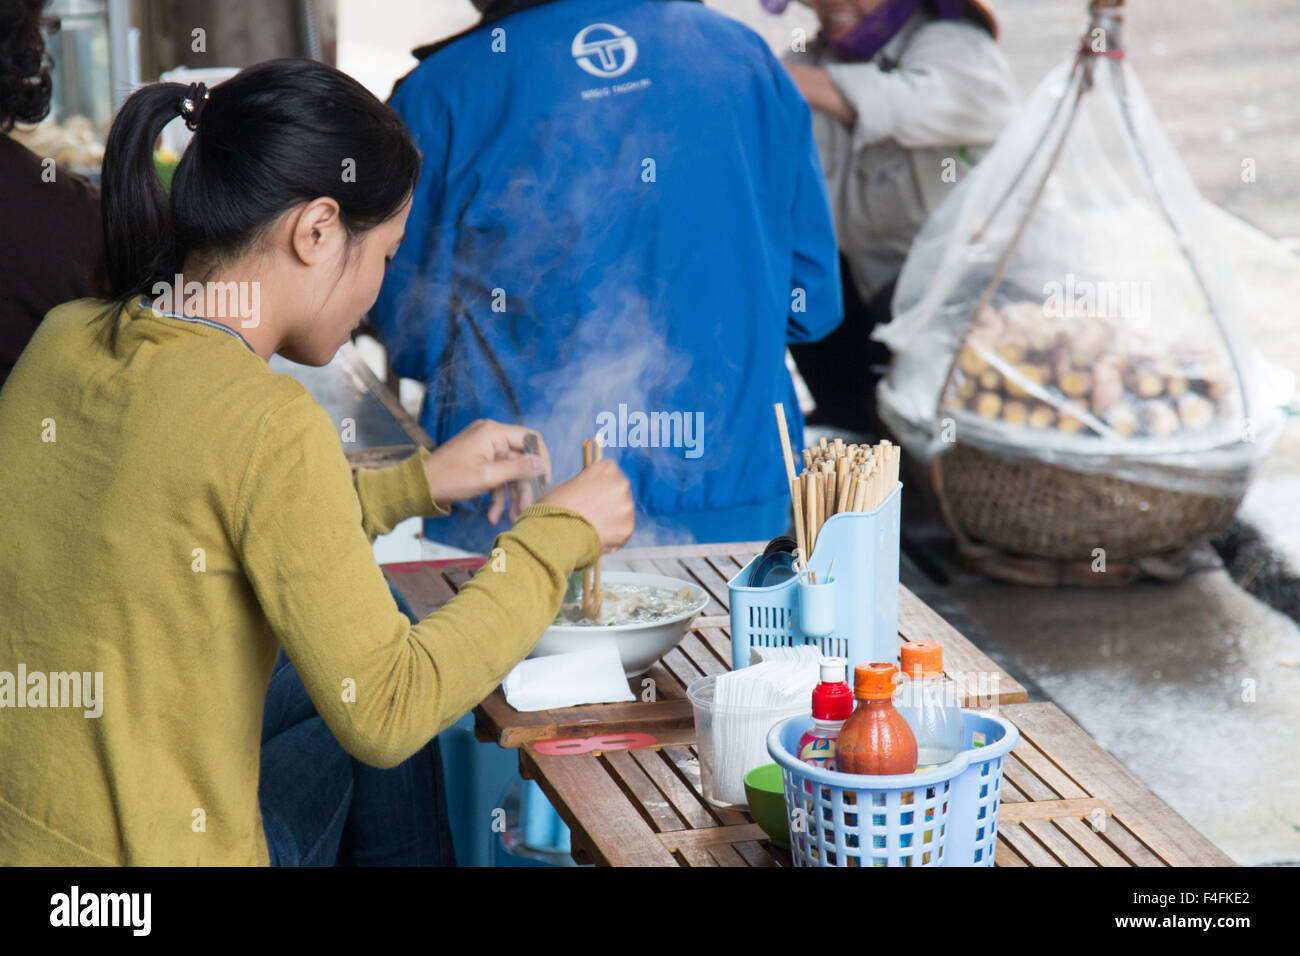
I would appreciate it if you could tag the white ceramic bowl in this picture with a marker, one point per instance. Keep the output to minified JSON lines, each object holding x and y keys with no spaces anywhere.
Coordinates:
{"x":639,"y":645}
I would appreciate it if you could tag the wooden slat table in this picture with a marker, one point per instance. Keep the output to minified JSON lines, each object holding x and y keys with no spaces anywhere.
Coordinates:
{"x":1066,"y":802}
{"x":705,"y":650}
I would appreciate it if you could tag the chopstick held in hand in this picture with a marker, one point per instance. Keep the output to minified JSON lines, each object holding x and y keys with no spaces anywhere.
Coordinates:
{"x":598,"y":452}
{"x":591,"y":594}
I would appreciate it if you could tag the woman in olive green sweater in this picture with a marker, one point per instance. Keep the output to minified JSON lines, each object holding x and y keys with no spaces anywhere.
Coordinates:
{"x":174,"y":512}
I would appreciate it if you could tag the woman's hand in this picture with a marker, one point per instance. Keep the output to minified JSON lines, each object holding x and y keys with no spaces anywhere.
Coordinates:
{"x":486,"y":456}
{"x":601,"y":494}
{"x":821,"y":92}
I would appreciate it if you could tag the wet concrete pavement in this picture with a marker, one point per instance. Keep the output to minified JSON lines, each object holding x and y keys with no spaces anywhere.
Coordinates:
{"x":1194,"y":686}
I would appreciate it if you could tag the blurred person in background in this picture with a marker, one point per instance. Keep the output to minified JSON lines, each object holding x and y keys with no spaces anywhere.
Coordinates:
{"x":49,"y":217}
{"x":906,"y":96}
{"x":621,"y":214}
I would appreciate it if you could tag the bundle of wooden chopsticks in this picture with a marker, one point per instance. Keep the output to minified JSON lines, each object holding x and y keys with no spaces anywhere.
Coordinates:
{"x":836,"y":477}
{"x":591,"y":593}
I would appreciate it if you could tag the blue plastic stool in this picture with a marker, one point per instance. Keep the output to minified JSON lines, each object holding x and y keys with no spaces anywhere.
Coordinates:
{"x":478,"y":777}
{"x":543,"y":828}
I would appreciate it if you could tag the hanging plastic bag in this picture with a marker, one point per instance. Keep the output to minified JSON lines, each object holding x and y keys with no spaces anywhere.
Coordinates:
{"x":1067,"y":303}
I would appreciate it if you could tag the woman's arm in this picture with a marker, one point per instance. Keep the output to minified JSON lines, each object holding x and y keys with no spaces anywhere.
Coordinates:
{"x":952,"y":88}
{"x":484,"y":458}
{"x":388,"y":496}
{"x":384,"y":686}
{"x":821,"y":92}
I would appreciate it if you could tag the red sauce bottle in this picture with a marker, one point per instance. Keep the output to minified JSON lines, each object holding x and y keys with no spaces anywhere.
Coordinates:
{"x":876,"y":739}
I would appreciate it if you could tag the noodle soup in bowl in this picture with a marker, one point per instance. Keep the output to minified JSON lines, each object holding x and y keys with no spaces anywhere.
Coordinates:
{"x":645,"y":615}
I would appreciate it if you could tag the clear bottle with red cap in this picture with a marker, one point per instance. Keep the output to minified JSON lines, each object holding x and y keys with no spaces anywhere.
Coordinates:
{"x":832,"y":704}
{"x":876,"y":739}
{"x":929,"y":703}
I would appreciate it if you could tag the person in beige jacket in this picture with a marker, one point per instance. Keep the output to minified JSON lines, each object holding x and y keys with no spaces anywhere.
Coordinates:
{"x":906,"y":96}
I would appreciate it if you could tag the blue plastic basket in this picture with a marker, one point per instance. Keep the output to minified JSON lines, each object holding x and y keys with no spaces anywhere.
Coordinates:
{"x":947,"y":816}
{"x":864,"y":547}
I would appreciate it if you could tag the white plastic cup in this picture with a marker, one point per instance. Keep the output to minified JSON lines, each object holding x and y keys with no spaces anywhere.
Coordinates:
{"x":722,"y":776}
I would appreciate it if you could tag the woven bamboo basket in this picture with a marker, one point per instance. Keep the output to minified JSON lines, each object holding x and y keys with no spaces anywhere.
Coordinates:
{"x":1028,"y":521}
{"x":1034,"y":523}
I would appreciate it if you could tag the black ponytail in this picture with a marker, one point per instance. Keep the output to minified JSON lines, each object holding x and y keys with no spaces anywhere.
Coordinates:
{"x":138,"y":243}
{"x":274,"y":135}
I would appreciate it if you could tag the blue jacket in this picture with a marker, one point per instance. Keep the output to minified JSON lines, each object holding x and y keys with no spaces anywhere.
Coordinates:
{"x":620,"y":222}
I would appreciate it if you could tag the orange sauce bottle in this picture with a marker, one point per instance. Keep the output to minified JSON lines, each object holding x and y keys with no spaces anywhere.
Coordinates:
{"x":876,"y":739}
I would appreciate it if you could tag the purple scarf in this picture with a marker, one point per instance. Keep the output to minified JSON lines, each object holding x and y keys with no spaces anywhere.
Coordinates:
{"x":877,"y":28}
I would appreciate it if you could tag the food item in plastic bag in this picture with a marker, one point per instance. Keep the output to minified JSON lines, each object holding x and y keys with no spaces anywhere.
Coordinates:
{"x":1089,"y":377}
{"x":1067,"y":303}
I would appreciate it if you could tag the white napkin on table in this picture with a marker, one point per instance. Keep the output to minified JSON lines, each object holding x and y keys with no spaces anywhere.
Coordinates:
{"x":807,"y":655}
{"x":593,"y":676}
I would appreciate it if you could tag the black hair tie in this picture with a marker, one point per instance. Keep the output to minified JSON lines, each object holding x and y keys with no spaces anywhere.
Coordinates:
{"x":192,"y":103}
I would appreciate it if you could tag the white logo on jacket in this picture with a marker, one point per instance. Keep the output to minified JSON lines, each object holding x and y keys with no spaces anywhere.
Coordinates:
{"x":601,"y":55}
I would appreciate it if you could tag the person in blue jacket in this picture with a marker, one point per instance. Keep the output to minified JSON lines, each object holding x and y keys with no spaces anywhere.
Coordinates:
{"x":620,"y":222}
